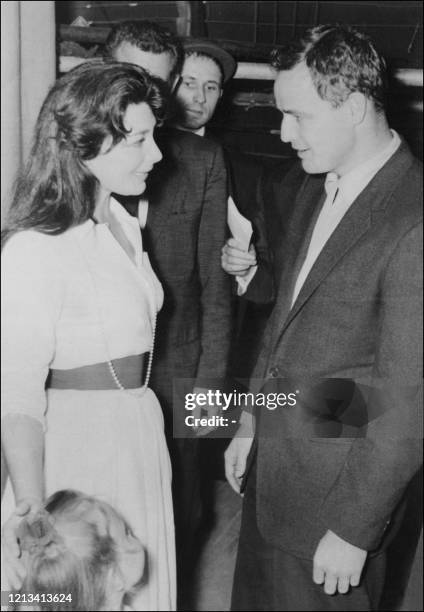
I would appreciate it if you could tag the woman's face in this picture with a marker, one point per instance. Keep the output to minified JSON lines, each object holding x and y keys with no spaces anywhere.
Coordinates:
{"x":124,"y":168}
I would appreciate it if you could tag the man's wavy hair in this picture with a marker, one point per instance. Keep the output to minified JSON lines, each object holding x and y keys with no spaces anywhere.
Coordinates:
{"x":147,"y":36}
{"x":54,"y":190}
{"x":341,"y":61}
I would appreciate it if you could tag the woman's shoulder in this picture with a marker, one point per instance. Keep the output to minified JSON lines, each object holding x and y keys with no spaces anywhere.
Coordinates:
{"x":37,"y":253}
{"x":28,"y":244}
{"x":35,"y":242}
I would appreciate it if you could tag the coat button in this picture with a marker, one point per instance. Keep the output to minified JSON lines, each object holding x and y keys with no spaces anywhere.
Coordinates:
{"x":273,"y":372}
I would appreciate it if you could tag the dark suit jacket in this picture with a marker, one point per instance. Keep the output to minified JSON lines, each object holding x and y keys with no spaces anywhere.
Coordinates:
{"x":245,"y":174}
{"x":184,"y":234}
{"x":357,"y":318}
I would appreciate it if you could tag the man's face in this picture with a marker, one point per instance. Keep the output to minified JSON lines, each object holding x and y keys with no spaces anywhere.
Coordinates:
{"x":199,"y":91}
{"x":322,"y":135}
{"x":158,"y":64}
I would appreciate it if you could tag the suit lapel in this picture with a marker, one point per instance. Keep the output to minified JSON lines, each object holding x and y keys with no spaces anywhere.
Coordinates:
{"x":166,"y":191}
{"x":367,"y":210}
{"x":354,"y":224}
{"x":306,"y":207}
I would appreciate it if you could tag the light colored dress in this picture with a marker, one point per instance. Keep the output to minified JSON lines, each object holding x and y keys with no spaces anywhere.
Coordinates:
{"x":77,"y":299}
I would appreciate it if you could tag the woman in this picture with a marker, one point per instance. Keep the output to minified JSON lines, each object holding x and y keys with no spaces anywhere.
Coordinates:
{"x":79,"y":308}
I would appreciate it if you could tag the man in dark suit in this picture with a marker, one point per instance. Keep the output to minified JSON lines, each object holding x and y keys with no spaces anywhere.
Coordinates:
{"x":325,"y":474}
{"x":206,"y":70}
{"x":184,"y":226}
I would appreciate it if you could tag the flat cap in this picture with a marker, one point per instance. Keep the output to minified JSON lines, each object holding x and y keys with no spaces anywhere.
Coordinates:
{"x":211,"y":48}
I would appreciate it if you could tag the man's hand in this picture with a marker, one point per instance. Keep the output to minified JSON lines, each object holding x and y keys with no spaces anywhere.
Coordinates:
{"x":235,"y":260}
{"x":14,"y":567}
{"x":237,"y":452}
{"x":337,"y":564}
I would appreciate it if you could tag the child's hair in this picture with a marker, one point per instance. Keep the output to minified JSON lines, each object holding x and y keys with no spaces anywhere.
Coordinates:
{"x":69,"y":551}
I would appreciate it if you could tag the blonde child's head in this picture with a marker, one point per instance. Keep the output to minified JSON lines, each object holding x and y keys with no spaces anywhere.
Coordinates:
{"x":82,"y":548}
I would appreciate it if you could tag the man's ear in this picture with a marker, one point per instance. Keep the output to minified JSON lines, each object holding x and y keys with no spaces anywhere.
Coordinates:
{"x":358,"y":106}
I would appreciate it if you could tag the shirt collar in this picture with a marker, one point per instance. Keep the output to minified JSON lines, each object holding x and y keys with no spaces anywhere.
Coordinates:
{"x":119,"y":212}
{"x":352,"y":183}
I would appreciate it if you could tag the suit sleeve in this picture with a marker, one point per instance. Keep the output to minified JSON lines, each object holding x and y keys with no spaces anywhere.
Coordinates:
{"x":379,"y":466}
{"x":215,"y":283}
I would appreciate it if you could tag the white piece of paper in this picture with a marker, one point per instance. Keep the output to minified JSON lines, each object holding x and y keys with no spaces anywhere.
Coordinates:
{"x":240,"y":227}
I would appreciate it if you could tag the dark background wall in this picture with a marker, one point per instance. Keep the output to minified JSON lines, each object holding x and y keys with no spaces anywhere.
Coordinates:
{"x":246,"y":118}
{"x":397,"y":26}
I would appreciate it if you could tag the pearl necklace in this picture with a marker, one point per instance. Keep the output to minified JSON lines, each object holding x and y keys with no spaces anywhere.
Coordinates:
{"x":149,"y":365}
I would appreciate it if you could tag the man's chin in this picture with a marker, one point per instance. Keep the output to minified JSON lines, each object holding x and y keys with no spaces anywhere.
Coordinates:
{"x":193,"y":126}
{"x":311,"y":168}
{"x":193,"y":121}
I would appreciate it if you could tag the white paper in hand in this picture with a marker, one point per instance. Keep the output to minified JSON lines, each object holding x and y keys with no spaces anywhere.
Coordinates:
{"x":240,"y":227}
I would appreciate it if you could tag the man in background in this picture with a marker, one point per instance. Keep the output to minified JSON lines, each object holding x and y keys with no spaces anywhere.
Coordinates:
{"x":184,"y":225}
{"x":206,"y":70}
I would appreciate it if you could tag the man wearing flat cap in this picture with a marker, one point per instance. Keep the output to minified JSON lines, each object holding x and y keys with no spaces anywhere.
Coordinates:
{"x":206,"y":69}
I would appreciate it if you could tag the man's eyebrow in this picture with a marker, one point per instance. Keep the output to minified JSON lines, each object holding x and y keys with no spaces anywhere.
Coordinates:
{"x":193,"y":78}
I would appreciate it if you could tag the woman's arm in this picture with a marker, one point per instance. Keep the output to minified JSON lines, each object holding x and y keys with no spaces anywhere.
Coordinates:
{"x":31,"y":298}
{"x":31,"y":303}
{"x":23,"y":448}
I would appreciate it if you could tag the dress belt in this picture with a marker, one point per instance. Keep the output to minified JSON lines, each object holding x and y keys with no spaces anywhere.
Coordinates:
{"x":98,"y":376}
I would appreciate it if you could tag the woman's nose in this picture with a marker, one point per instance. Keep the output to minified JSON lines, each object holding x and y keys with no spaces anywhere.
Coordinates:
{"x":155,"y":153}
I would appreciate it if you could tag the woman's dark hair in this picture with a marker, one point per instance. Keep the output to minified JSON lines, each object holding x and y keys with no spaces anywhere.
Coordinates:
{"x":55,"y":190}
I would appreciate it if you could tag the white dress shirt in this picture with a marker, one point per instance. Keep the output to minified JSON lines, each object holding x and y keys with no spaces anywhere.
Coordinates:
{"x":341,"y":193}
